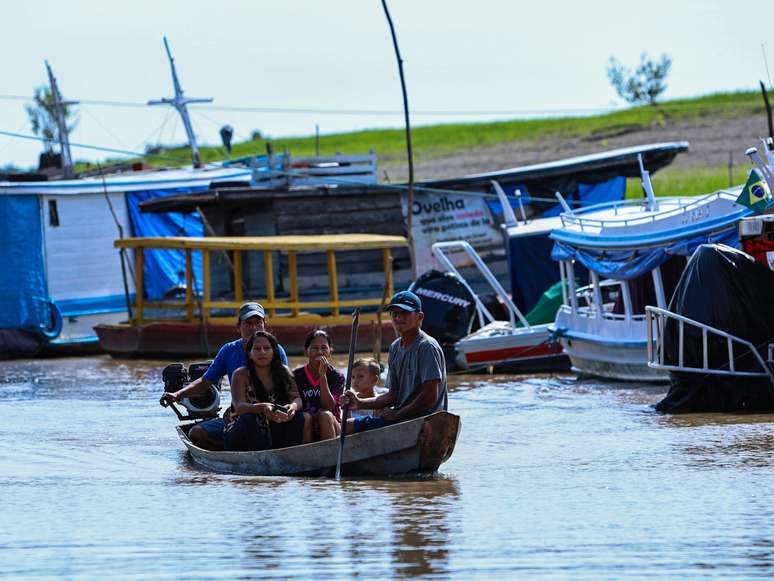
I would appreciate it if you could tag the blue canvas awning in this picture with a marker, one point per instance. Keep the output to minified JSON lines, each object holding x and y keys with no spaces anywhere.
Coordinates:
{"x":630,"y":264}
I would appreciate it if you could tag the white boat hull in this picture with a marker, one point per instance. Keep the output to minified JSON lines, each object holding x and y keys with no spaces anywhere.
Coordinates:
{"x":608,"y":348}
{"x":621,"y":362}
{"x":498,"y":343}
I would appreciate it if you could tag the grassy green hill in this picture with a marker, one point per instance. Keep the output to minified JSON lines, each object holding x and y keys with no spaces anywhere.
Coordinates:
{"x":436,"y":141}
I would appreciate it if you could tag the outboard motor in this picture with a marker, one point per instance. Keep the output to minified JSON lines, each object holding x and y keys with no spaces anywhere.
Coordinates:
{"x":203,"y":406}
{"x":449,"y":309}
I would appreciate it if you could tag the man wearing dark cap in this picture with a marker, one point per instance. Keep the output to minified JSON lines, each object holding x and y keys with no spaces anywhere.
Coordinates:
{"x":209,"y":434}
{"x":416,"y":371}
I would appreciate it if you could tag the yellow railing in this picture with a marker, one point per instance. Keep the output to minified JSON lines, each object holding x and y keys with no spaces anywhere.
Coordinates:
{"x":293,"y":307}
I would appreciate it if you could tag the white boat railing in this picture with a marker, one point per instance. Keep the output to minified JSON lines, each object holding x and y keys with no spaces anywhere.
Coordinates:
{"x":484,"y":316}
{"x":591,"y":313}
{"x":577,"y":219}
{"x":656,"y":322}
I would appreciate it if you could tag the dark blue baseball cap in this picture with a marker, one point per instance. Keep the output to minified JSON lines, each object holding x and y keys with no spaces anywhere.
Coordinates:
{"x":405,"y":301}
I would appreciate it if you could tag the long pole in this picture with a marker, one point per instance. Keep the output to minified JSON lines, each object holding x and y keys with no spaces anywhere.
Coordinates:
{"x":122,"y":251}
{"x":345,"y":410}
{"x":768,"y":109}
{"x":410,"y":197}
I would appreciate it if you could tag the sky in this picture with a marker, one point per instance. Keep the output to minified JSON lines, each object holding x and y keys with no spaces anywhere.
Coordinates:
{"x":331,"y":63}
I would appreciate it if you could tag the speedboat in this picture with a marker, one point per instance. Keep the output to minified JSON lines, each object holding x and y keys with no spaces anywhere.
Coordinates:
{"x":512,"y":344}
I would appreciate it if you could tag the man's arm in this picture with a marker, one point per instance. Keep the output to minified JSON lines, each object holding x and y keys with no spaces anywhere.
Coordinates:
{"x":422,"y":403}
{"x":197,"y":387}
{"x":431,"y":372}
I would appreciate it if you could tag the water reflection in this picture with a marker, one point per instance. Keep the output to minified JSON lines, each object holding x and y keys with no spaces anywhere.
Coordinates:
{"x":398,"y":528}
{"x":421,"y":524}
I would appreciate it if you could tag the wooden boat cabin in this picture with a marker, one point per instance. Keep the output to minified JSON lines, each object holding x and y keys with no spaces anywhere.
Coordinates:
{"x":303,"y":282}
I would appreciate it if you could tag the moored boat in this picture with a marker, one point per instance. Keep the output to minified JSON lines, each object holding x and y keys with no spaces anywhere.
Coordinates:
{"x":505,"y":345}
{"x":716,"y":340}
{"x":635,"y":252}
{"x":415,"y":446}
{"x":300,"y":291}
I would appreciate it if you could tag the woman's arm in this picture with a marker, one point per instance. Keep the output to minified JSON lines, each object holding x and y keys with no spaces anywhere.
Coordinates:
{"x":327,"y":400}
{"x":239,"y":396}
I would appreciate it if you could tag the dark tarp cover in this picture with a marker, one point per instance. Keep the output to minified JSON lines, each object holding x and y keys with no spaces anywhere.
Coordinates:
{"x":165,"y":269}
{"x":630,"y":264}
{"x":24,"y":300}
{"x":725,"y":289}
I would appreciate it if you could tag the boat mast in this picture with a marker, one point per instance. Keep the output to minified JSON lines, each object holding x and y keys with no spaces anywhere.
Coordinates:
{"x":61,"y":123}
{"x":180,"y":102}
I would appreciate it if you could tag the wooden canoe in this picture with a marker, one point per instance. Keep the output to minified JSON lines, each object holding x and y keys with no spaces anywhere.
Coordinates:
{"x":412,"y":447}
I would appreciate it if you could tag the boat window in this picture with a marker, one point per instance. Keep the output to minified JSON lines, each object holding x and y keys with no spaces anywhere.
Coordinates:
{"x":53,"y":214}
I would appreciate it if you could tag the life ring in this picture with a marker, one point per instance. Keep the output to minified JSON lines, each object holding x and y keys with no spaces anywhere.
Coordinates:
{"x":55,"y":328}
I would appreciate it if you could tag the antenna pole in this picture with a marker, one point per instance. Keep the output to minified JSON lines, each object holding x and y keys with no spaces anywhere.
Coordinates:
{"x":61,"y":122}
{"x":409,"y":151}
{"x":180,"y":102}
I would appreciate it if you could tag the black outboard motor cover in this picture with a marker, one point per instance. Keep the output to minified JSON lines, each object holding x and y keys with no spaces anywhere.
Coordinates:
{"x":725,"y":289}
{"x":448,"y":306}
{"x":174,"y":376}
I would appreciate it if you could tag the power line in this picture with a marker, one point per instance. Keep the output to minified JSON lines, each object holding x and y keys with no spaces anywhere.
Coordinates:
{"x":381,"y":112}
{"x":107,"y":149}
{"x":333,"y":111}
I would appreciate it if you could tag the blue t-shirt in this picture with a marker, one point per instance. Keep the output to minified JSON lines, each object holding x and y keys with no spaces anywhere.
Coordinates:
{"x":230,"y":358}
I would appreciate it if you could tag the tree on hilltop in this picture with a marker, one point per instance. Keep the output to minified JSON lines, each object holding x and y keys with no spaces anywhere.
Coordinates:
{"x":645,"y":84}
{"x":42,"y":114}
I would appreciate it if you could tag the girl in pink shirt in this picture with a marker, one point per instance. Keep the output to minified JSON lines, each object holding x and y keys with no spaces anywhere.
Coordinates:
{"x":320,"y":385}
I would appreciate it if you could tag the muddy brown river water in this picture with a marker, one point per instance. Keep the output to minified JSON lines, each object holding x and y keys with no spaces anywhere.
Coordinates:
{"x":551,"y":478}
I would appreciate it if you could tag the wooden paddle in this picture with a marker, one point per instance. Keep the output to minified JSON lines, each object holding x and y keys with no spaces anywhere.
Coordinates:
{"x":347,"y":386}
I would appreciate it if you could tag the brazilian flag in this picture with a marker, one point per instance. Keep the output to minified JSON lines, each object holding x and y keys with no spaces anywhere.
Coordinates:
{"x":755,"y":194}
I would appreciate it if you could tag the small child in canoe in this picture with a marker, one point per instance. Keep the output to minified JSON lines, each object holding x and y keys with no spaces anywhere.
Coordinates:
{"x":365,"y":377}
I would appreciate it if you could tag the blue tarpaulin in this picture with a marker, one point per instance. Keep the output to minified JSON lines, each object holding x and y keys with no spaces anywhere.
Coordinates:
{"x":630,"y":264}
{"x":532,"y":271}
{"x":510,"y":191}
{"x":165,"y":269}
{"x":610,"y":191}
{"x":24,"y":301}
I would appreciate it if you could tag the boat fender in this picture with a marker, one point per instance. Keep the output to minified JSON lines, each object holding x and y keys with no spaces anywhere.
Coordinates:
{"x":55,"y":328}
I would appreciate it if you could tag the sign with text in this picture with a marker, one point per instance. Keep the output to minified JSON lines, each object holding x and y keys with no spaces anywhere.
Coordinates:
{"x":445,"y":217}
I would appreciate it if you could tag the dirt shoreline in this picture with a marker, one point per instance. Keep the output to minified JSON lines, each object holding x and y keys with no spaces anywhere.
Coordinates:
{"x":712,"y":143}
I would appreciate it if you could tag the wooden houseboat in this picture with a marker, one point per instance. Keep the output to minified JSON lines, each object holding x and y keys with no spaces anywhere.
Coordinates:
{"x":306,"y":282}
